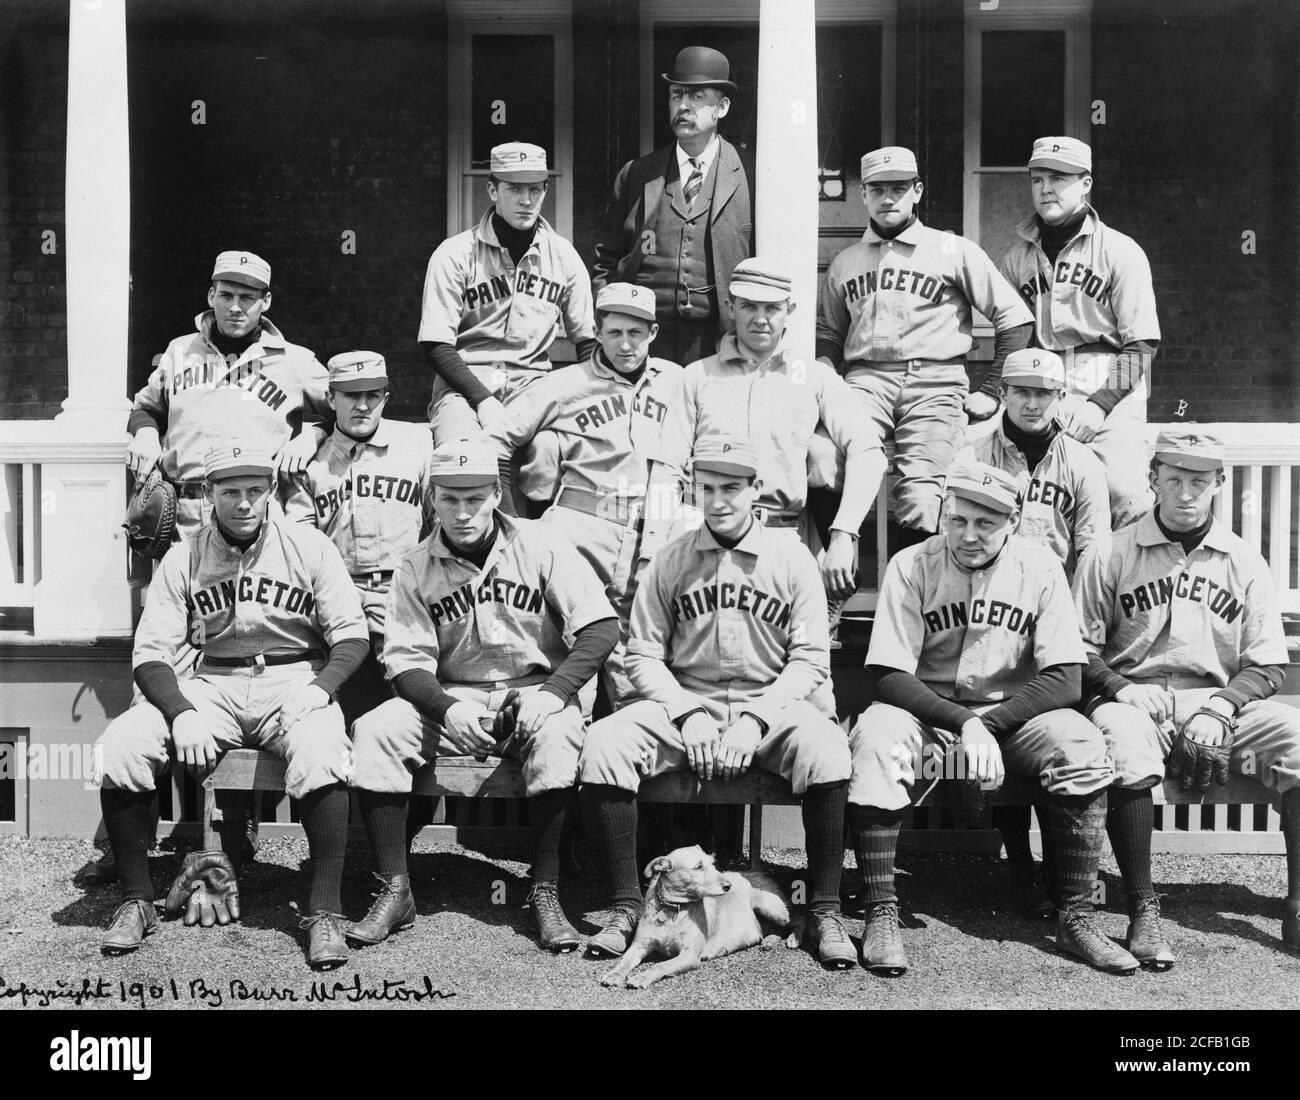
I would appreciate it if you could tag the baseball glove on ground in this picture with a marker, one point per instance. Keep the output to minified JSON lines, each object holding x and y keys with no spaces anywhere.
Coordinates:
{"x":151,"y":515}
{"x":1195,"y":762}
{"x":206,"y":889}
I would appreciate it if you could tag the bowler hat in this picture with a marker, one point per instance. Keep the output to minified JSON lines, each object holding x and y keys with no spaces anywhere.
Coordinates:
{"x":701,"y":65}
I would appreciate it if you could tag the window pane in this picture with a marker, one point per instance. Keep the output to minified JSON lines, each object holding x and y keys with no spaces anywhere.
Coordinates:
{"x":1023,"y":93}
{"x":848,"y":102}
{"x":513,"y":93}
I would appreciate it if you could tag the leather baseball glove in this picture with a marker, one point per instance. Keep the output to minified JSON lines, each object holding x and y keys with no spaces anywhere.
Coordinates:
{"x":506,"y":722}
{"x":151,"y":515}
{"x":208,"y":881}
{"x":1196,"y":763}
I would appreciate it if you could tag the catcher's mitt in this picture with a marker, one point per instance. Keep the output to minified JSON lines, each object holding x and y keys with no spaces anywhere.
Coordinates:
{"x":206,"y":889}
{"x":506,"y":722}
{"x":1196,"y":763}
{"x":151,"y":515}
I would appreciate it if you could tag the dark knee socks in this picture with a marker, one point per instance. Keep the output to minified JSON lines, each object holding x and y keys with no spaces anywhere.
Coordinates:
{"x":1013,"y":824}
{"x":385,"y":817}
{"x":547,"y":811}
{"x":823,"y":826}
{"x":1078,"y":826}
{"x":324,"y":814}
{"x":1130,"y":818}
{"x":129,"y":818}
{"x":611,"y":827}
{"x":875,"y":843}
{"x":1291,"y":833}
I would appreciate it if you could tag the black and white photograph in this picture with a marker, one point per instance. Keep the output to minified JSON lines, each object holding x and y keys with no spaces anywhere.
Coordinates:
{"x":745,"y":505}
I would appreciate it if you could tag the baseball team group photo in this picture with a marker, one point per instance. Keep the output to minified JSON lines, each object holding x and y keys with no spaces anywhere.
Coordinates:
{"x":829,"y":542}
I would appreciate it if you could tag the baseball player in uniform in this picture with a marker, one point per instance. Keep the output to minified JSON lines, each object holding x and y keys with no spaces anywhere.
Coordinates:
{"x":1089,"y":287}
{"x":895,"y":318}
{"x":1185,"y":648}
{"x":237,"y":369}
{"x":280,"y":627}
{"x":730,"y":655}
{"x":978,"y":663}
{"x":608,"y":414}
{"x":366,"y":489}
{"x":758,"y":388}
{"x":478,"y":617}
{"x":497,"y":296}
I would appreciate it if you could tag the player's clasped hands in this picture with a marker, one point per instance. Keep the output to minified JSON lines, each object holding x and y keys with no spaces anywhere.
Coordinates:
{"x":700,"y":737}
{"x":534,"y":709}
{"x":300,"y":702}
{"x":462,"y":726}
{"x":984,"y":767}
{"x":737,"y":747}
{"x":195,"y":746}
{"x":1154,"y":700}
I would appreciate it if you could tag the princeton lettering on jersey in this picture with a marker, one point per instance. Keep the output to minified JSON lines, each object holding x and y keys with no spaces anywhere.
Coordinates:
{"x":250,"y":589}
{"x":645,"y":405}
{"x":1016,"y":620}
{"x":202,"y":371}
{"x":601,"y":413}
{"x":529,"y":283}
{"x":1051,"y":494}
{"x":460,"y":602}
{"x":1157,"y":593}
{"x":898,"y":279}
{"x":1076,"y":274}
{"x":398,"y":490}
{"x":742,"y":597}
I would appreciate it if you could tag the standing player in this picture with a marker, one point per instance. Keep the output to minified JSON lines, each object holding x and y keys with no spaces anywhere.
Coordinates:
{"x":895,"y":318}
{"x":1089,"y":287}
{"x":730,"y":655}
{"x":237,"y":369}
{"x":976,"y":652}
{"x":1185,"y":647}
{"x":477,"y":619}
{"x":681,"y":218}
{"x":608,"y":414}
{"x":280,"y":627}
{"x":365,"y":489}
{"x":496,"y":297}
{"x":758,"y":388}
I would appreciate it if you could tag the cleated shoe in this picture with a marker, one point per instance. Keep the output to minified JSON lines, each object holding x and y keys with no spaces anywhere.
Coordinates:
{"x":615,"y":938}
{"x":1076,"y":935}
{"x":882,"y":942}
{"x":553,"y":927}
{"x":133,"y":920}
{"x":1146,"y":940}
{"x":393,"y":910}
{"x":326,"y":948}
{"x":834,"y":947}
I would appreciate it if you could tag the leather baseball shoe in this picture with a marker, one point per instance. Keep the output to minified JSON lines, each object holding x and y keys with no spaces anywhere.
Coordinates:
{"x":553,"y":927}
{"x":133,"y":920}
{"x":393,"y":910}
{"x":1146,"y":939}
{"x":1291,"y":924}
{"x":882,"y":942}
{"x":612,"y":941}
{"x":326,"y":948}
{"x":834,"y":947}
{"x":1076,"y":935}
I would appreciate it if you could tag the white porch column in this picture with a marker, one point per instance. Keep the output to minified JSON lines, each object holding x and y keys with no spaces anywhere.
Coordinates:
{"x":83,"y":590}
{"x":786,"y":189}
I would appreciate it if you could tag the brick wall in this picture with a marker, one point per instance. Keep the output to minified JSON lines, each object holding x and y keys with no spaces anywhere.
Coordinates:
{"x":33,"y":136}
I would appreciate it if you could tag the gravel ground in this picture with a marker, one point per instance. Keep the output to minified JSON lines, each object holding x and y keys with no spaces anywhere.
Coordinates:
{"x":966,"y":949}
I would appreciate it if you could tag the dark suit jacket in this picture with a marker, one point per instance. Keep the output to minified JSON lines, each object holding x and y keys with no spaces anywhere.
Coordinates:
{"x":643,"y":184}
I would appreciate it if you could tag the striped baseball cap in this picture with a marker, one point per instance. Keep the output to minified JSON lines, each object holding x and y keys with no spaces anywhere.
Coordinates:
{"x":893,"y":162}
{"x":984,"y":484}
{"x":1065,"y":154}
{"x":635,"y":301}
{"x":760,"y":280}
{"x":246,"y":268}
{"x":519,"y":162}
{"x":351,"y":371}
{"x":1189,"y":448}
{"x":462,"y":462}
{"x":1034,"y":367}
{"x":236,"y":460}
{"x":726,"y":454}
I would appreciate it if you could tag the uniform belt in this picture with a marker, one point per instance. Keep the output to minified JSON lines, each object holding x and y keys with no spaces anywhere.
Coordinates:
{"x":898,"y":364}
{"x":267,"y":659}
{"x":1091,"y":349}
{"x":187,"y":490}
{"x":768,"y":518}
{"x":1177,"y":682}
{"x":616,"y":509}
{"x":374,"y":579}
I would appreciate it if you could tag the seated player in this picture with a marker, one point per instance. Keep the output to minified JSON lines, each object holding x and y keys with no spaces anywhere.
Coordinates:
{"x":477,"y":620}
{"x":1185,"y":648}
{"x":729,"y":654}
{"x":279,"y":625}
{"x":976,"y":655}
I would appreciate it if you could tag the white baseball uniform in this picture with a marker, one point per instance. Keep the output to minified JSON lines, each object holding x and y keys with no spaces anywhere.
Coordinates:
{"x":902,"y":310}
{"x":730,"y":631}
{"x":482,"y":632}
{"x":1189,"y":623}
{"x":501,"y":319}
{"x":975,"y":637}
{"x":287,"y":595}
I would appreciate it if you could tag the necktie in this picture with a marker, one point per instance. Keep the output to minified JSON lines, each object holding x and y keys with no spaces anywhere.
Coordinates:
{"x":693,"y":182}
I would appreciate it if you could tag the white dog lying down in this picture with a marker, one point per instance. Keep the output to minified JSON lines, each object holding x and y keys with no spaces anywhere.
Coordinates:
{"x":694,"y":912}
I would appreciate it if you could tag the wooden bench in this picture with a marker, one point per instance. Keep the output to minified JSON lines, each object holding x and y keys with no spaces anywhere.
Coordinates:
{"x":463,"y":776}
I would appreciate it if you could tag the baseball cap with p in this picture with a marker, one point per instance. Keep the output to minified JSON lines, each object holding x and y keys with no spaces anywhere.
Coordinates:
{"x":760,"y":280}
{"x":1189,"y":448}
{"x":635,"y":301}
{"x":984,"y":484}
{"x":237,"y":460}
{"x":893,"y":162}
{"x":354,"y":371}
{"x":462,"y":462}
{"x":246,"y":268}
{"x":726,"y":454}
{"x":1064,"y":154}
{"x":1034,"y":367}
{"x":519,"y":162}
